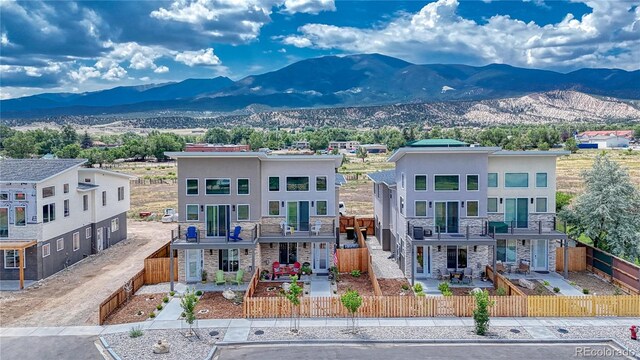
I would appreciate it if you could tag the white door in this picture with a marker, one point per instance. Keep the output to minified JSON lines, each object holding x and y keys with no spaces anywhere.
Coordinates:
{"x":539,"y":255}
{"x":194,"y":265}
{"x":320,"y":256}
{"x":99,"y":239}
{"x":422,"y":261}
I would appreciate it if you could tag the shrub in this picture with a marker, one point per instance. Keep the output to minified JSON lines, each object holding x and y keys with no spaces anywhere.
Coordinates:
{"x":443,"y":286}
{"x":481,"y":312}
{"x":188,"y":305}
{"x":420,"y":293}
{"x":199,"y":293}
{"x":501,"y":291}
{"x":171,"y":293}
{"x":159,"y":307}
{"x":356,"y":273}
{"x":165,"y":299}
{"x":617,"y":291}
{"x":546,"y":283}
{"x":135,"y":332}
{"x":418,"y":288}
{"x":152,"y":315}
{"x":405,"y":287}
{"x":447,"y":292}
{"x":585,"y":291}
{"x":556,"y":289}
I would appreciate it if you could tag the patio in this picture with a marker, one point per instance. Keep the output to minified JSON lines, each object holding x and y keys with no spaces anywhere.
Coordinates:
{"x":14,"y":285}
{"x":554,"y":279}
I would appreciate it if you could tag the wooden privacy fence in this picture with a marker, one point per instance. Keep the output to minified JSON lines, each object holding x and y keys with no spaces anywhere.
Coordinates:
{"x":345,"y":222}
{"x":502,"y":282}
{"x":374,"y":280}
{"x":148,"y":181}
{"x":157,"y":270}
{"x":620,"y":272}
{"x":367,"y":223}
{"x":120,"y":296}
{"x":353,"y":259}
{"x":572,"y":306}
{"x":577,"y":259}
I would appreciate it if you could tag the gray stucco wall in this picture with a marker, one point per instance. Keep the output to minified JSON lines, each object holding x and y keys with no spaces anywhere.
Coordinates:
{"x":30,"y":271}
{"x":110,"y":238}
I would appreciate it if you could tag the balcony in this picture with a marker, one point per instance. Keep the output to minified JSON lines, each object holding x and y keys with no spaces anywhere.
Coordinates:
{"x":541,"y":229}
{"x":320,"y":230}
{"x":426,"y":236}
{"x":179,"y":239}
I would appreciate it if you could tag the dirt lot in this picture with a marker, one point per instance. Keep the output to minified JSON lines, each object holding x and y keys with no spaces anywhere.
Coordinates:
{"x":392,"y":287}
{"x":361,"y":284}
{"x":72,"y":297}
{"x":457,"y":291}
{"x":217,"y":307}
{"x":137,"y":309}
{"x":596,"y":286}
{"x":540,"y":289}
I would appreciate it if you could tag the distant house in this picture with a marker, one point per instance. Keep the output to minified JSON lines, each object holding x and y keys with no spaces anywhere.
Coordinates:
{"x":54,"y":213}
{"x":300,"y":145}
{"x":606,"y":139}
{"x":344,"y":145}
{"x":375,"y":148}
{"x":216,"y":148}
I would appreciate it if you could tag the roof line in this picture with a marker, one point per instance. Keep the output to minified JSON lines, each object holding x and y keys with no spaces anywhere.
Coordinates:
{"x":84,"y":161}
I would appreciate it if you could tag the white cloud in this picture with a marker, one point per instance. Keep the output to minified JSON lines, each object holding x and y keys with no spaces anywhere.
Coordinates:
{"x":161,"y":69}
{"x":308,"y":6}
{"x":4,"y":39}
{"x":204,"y":57}
{"x":115,"y":73}
{"x":608,"y":36}
{"x":140,"y":57}
{"x":84,"y":73}
{"x":145,"y":78}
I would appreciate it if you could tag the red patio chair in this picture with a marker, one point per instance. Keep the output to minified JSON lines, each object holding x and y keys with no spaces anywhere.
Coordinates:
{"x":296,"y":269}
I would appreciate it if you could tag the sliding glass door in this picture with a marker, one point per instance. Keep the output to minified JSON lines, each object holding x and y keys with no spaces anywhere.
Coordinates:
{"x":298,"y":215}
{"x":516,"y":210}
{"x":216,"y":220}
{"x":447,"y":217}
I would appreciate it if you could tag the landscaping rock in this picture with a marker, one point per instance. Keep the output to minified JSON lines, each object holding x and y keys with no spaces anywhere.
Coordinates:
{"x":161,"y":347}
{"x":229,"y":294}
{"x":526,"y":284}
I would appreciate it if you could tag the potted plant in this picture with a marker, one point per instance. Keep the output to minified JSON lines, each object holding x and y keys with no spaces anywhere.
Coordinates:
{"x":204,"y":276}
{"x":305,"y":270}
{"x":264,"y":275}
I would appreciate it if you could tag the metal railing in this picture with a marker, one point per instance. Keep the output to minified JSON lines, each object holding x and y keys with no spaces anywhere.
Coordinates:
{"x":311,"y":228}
{"x":247,"y":234}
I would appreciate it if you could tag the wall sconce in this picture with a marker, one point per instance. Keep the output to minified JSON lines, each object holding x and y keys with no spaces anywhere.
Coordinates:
{"x":523,"y":242}
{"x":430,"y":203}
{"x":475,"y":248}
{"x":201,"y":208}
{"x":271,"y":245}
{"x":311,"y":203}
{"x":210,"y":251}
{"x":462,"y":204}
{"x":532,"y":200}
{"x":438,"y":248}
{"x":500,"y":200}
{"x":282,"y":204}
{"x":304,"y":245}
{"x":233,"y":208}
{"x":246,"y":251}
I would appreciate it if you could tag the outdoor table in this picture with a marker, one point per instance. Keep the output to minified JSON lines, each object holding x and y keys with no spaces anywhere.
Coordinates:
{"x":351,"y":233}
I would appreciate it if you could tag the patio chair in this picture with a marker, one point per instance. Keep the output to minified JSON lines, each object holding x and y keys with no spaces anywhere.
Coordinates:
{"x":500,"y":267}
{"x":523,"y":267}
{"x":239,"y":279}
{"x":192,"y":233}
{"x":443,"y":274}
{"x":286,"y":228}
{"x":467,"y":278}
{"x":220,"y":280}
{"x":236,"y":234}
{"x":455,"y":278}
{"x":296,"y":269}
{"x":316,"y":228}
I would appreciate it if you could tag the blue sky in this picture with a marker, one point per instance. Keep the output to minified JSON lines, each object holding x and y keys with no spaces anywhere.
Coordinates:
{"x":88,"y":45}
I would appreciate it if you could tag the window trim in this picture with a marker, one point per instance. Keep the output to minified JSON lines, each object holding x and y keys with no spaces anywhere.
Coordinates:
{"x":326,"y":207}
{"x":326,"y":183}
{"x":269,"y":207}
{"x":186,"y":187}
{"x":205,"y":186}
{"x":286,"y":187}
{"x":58,"y":242}
{"x":426,"y":208}
{"x":238,"y":187}
{"x":186,"y":212}
{"x":65,"y":188}
{"x":546,"y":180}
{"x":220,"y":256}
{"x":497,"y":180}
{"x":24,"y":261}
{"x":466,"y":185}
{"x":85,"y":204}
{"x":466,"y":208}
{"x":88,"y":233}
{"x":497,"y":206}
{"x":66,"y":208}
{"x":117,"y":222}
{"x":46,"y":247}
{"x":434,"y":182}
{"x":53,"y":191}
{"x":426,"y":182}
{"x":4,"y":196}
{"x":248,"y":212}
{"x":121,"y":188}
{"x":104,"y":198}
{"x":546,"y":204}
{"x":8,"y":222}
{"x":269,"y":183}
{"x":15,"y":215}
{"x":49,"y":212}
{"x":516,"y":187}
{"x":24,"y":196}
{"x":73,"y":240}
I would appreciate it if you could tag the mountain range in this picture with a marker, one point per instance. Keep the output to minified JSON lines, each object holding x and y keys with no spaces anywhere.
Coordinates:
{"x":331,"y":81}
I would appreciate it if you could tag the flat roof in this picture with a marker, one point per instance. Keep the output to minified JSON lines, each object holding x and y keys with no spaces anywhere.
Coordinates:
{"x":337,"y":159}
{"x":437,"y":143}
{"x":530,"y":153}
{"x":441,"y":150}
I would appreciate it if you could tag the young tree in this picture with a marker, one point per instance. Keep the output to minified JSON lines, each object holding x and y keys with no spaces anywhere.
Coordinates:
{"x":607,"y":211}
{"x":70,"y":151}
{"x":86,"y":141}
{"x":481,"y":312}
{"x":293,"y":295}
{"x":571,"y":145}
{"x":352,"y":301}
{"x":362,"y":153}
{"x":188,"y":303}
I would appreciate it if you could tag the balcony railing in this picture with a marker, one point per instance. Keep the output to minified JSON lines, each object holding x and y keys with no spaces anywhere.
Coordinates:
{"x":248,"y":234}
{"x":307,"y":229}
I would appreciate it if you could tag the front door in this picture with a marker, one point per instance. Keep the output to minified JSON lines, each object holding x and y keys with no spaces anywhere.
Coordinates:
{"x":99,"y":239}
{"x":298,"y":215}
{"x":516,"y":212}
{"x":422,"y":261}
{"x":216,"y":220}
{"x":447,"y":217}
{"x":539,"y":255}
{"x":320,"y":256}
{"x":194,"y":265}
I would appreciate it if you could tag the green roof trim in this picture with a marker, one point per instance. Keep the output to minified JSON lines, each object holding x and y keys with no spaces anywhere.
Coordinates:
{"x":437,"y":143}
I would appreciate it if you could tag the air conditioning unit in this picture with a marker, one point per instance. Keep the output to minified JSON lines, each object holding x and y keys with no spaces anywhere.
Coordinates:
{"x":428,"y":233}
{"x":418,"y":233}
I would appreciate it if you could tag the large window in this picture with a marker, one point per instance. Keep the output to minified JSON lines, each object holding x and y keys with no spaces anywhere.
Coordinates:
{"x":12,"y":259}
{"x":492,"y":205}
{"x":321,"y":207}
{"x":274,"y":208}
{"x":492,"y":180}
{"x":541,"y":180}
{"x":274,"y":183}
{"x":243,"y":212}
{"x":48,"y":213}
{"x":193,"y":212}
{"x":287,"y":253}
{"x":420,"y":183}
{"x":228,"y":260}
{"x":297,"y":183}
{"x":447,"y":183}
{"x":456,"y":257}
{"x":472,"y":208}
{"x":192,"y":186}
{"x":243,"y":186}
{"x":473,"y":183}
{"x":66,"y":207}
{"x":506,"y":250}
{"x":541,"y":204}
{"x":4,"y":222}
{"x":20,"y":218}
{"x":218,"y":186}
{"x":421,"y":208}
{"x":321,"y":183}
{"x":120,"y":193}
{"x":516,"y":180}
{"x":446,"y":216}
{"x":48,"y":191}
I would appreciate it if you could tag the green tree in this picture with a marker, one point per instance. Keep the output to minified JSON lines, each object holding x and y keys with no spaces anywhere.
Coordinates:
{"x":217,"y":135}
{"x":362,"y":153}
{"x":19,"y":146}
{"x":86,"y":141}
{"x":68,"y":135}
{"x":293,"y":295}
{"x":571,"y":145}
{"x":562,"y":200}
{"x":352,"y":301}
{"x":188,"y":303}
{"x":544,"y":146}
{"x":481,"y":312}
{"x":94,"y":156}
{"x":607,"y":211}
{"x":70,"y":151}
{"x":159,"y":143}
{"x":636,"y":132}
{"x":256,"y":140}
{"x":5,"y":133}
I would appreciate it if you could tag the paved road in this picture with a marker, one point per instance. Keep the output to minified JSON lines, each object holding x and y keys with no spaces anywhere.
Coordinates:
{"x":49,"y":347}
{"x":407,"y":351}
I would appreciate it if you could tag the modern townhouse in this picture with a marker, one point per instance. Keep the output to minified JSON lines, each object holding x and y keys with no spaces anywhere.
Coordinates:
{"x":448,"y":205}
{"x":54,"y":213}
{"x":249,"y":210}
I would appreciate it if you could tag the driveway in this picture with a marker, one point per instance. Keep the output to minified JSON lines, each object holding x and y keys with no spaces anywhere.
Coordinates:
{"x":54,"y":347}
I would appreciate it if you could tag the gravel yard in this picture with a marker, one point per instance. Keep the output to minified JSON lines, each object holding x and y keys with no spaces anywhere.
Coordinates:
{"x":540,"y":289}
{"x":361,"y":284}
{"x":465,"y":291}
{"x":596,"y":285}
{"x":385,"y":333}
{"x":181,"y":347}
{"x":213,"y":305}
{"x":620,"y":333}
{"x":393,"y":287}
{"x":136,"y":309}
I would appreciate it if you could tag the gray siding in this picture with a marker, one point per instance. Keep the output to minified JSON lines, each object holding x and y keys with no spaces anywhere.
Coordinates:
{"x":30,"y":271}
{"x":110,"y":238}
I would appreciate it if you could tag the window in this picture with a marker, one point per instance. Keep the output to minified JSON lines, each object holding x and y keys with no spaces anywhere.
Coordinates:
{"x":243,"y":212}
{"x":274,"y":183}
{"x":447,"y":182}
{"x":193,"y":213}
{"x":48,"y":191}
{"x":472,"y":208}
{"x":120,"y":193}
{"x":85,"y":202}
{"x":516,"y":180}
{"x":541,"y":180}
{"x":228,"y":259}
{"x":192,"y":186}
{"x":401,"y":205}
{"x":12,"y":259}
{"x":492,"y":180}
{"x":87,"y":233}
{"x":287,"y":253}
{"x":60,"y":244}
{"x":46,"y":250}
{"x":456,"y":257}
{"x":20,"y":218}
{"x":541,"y":205}
{"x":473,"y":183}
{"x":403,"y":180}
{"x":4,"y":222}
{"x":274,"y":208}
{"x":20,"y":196}
{"x":65,"y":188}
{"x":492,"y":205}
{"x":420,"y":183}
{"x":377,"y":188}
{"x":321,"y":207}
{"x":4,"y":196}
{"x":506,"y":250}
{"x":321,"y":183}
{"x":218,"y":186}
{"x":104,"y":198}
{"x":48,"y":213}
{"x":115,"y":225}
{"x":76,"y":241}
{"x":66,"y":207}
{"x":243,"y":186}
{"x":297,"y":183}
{"x":421,"y":208}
